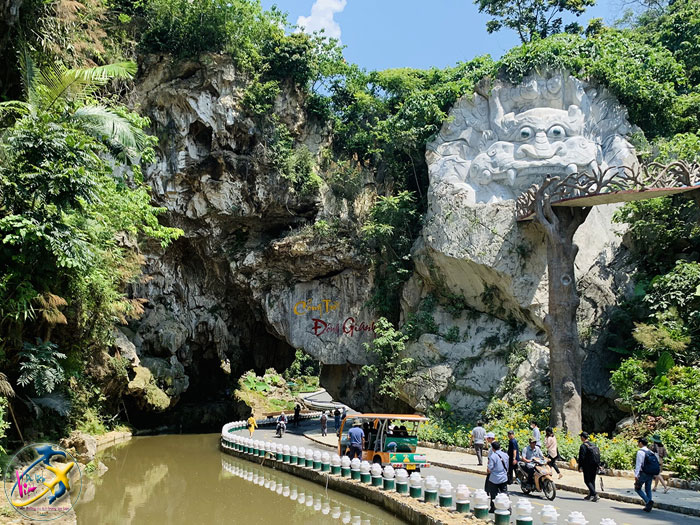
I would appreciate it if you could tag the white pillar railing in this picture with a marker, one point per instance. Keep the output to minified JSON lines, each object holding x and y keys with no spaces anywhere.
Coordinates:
{"x":461,"y":498}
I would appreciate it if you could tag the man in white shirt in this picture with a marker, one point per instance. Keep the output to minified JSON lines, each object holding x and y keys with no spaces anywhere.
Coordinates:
{"x":478,"y":436}
{"x":536,"y":433}
{"x":642,"y":478}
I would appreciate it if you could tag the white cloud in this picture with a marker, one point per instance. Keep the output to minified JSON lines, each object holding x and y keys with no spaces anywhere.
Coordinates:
{"x":321,"y":17}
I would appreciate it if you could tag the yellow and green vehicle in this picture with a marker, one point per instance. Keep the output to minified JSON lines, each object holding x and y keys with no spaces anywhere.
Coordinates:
{"x":390,"y":439}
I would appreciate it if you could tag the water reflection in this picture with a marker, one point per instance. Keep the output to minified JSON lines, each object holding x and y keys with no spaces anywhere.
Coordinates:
{"x":185,"y":479}
{"x":317,"y":499}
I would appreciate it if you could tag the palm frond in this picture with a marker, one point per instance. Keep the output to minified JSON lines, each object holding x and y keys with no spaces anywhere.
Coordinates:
{"x":104,"y":122}
{"x":29,"y":73}
{"x":77,"y":84}
{"x":14,"y":106}
{"x":125,"y":70}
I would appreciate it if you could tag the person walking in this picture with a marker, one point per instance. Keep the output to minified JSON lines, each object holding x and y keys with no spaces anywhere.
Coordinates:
{"x":646,"y":468}
{"x":252,"y":425}
{"x":357,"y":439}
{"x":336,"y":420}
{"x":490,"y":438}
{"x":478,"y":436}
{"x":657,"y":447}
{"x":324,"y":423}
{"x":497,"y":472}
{"x":536,"y":433}
{"x":513,"y":455}
{"x":588,"y":463}
{"x":297,"y":417}
{"x":550,"y":442}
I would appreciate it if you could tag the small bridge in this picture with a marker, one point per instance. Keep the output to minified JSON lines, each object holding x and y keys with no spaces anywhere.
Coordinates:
{"x":614,"y":184}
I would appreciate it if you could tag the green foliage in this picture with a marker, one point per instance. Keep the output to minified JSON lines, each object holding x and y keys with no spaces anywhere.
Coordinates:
{"x":388,"y":234}
{"x":259,"y":98}
{"x":452,"y":335}
{"x":532,"y":19}
{"x":422,"y":321}
{"x":295,"y":164}
{"x":40,"y":367}
{"x":677,"y":27}
{"x":629,"y":379}
{"x":91,"y":423}
{"x":678,"y":289}
{"x":515,"y":414}
{"x":660,"y":230}
{"x":303,"y":365}
{"x":389,"y":368}
{"x":62,"y":213}
{"x":4,"y":425}
{"x":645,"y":77}
{"x":187,"y":29}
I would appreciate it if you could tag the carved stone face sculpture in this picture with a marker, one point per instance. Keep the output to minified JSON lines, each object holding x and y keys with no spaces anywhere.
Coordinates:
{"x":498,"y":145}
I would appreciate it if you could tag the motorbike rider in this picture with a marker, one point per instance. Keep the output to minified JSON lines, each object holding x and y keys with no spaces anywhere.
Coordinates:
{"x":529,"y":459}
{"x":281,"y":421}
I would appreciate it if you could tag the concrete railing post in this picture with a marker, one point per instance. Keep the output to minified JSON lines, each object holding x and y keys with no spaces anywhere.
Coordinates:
{"x":365,"y":476}
{"x":480,"y":504}
{"x":549,"y":515}
{"x":576,"y":518}
{"x":388,"y":481}
{"x":336,"y":464}
{"x":416,"y":485}
{"x":402,"y":481}
{"x":445,"y":494}
{"x":462,"y":498}
{"x":376,"y":474}
{"x":502,"y":504}
{"x":355,"y":465}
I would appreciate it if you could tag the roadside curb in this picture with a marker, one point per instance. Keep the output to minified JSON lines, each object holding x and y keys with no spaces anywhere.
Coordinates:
{"x":634,"y":500}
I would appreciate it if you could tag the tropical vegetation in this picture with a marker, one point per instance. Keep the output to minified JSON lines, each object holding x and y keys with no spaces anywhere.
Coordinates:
{"x":74,"y":208}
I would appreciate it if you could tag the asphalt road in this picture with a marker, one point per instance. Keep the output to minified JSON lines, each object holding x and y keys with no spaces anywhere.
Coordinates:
{"x":565,"y":502}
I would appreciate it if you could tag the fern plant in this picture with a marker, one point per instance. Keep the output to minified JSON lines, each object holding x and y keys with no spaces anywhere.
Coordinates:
{"x":40,"y":366}
{"x":71,"y":95}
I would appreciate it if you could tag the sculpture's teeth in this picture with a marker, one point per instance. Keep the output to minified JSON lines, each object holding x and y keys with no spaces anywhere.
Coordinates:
{"x":571,"y":168}
{"x":511,"y":174}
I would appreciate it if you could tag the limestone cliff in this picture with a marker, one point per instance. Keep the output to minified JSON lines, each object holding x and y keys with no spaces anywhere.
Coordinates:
{"x":242,"y":287}
{"x":253,"y":278}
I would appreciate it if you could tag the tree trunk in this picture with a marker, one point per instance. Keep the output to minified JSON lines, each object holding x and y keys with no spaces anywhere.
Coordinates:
{"x":565,"y":353}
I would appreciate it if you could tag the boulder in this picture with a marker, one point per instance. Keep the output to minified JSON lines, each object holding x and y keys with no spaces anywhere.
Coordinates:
{"x":83,"y":446}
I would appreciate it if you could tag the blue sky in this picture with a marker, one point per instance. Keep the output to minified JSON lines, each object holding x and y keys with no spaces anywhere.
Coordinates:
{"x":381,"y":34}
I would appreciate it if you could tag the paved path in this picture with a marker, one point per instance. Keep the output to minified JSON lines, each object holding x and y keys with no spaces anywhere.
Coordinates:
{"x":623,"y":513}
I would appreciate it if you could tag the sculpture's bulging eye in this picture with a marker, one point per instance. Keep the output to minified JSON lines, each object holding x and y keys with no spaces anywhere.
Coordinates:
{"x":556,"y":132}
{"x":525,"y":133}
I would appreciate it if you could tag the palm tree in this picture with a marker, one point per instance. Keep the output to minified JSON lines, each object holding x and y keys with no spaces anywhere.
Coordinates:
{"x":69,"y":95}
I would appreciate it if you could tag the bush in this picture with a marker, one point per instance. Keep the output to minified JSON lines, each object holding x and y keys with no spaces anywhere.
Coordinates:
{"x":388,"y":367}
{"x":187,"y":29}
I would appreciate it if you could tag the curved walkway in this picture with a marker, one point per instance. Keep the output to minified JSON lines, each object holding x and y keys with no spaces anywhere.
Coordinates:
{"x":618,"y":501}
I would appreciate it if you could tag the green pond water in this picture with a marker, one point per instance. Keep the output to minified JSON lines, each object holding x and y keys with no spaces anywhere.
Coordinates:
{"x":185,"y":479}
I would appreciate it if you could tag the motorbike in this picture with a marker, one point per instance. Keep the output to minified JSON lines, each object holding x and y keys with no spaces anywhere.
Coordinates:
{"x":281,"y":428}
{"x":543,"y":472}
